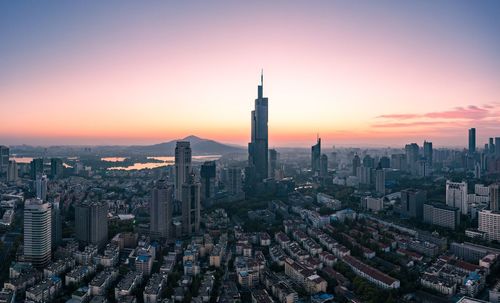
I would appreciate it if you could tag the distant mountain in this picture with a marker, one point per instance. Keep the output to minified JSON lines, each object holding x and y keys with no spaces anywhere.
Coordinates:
{"x":199,"y":146}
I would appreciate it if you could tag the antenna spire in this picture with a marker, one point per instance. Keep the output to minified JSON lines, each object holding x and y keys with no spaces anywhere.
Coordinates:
{"x":262,"y":77}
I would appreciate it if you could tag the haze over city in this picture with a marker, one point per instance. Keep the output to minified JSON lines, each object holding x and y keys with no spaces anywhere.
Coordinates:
{"x":360,"y":74}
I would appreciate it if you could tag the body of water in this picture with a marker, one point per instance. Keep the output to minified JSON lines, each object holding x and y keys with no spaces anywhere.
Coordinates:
{"x":165,"y":161}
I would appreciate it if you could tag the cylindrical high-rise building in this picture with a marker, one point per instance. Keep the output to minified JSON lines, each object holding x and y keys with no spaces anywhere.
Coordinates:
{"x":37,"y":232}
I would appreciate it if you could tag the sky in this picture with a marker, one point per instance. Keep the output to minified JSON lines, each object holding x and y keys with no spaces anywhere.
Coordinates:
{"x":358,"y":73}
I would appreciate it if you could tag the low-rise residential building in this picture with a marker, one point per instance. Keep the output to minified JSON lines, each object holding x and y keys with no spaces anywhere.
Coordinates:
{"x":371,"y":274}
{"x":152,"y":292}
{"x":44,"y":291}
{"x":102,"y":281}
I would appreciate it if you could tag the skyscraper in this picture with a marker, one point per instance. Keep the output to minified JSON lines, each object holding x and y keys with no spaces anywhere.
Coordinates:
{"x":4,"y":160}
{"x":273,"y":163}
{"x":37,"y":232}
{"x":412,"y":157}
{"x":456,"y":195}
{"x":356,"y":162}
{"x":412,"y":202}
{"x":234,"y":184}
{"x":182,"y":166}
{"x":380,"y":181}
{"x":323,"y":166}
{"x":36,"y":166}
{"x":472,"y":140}
{"x":41,"y":187}
{"x":258,"y":146}
{"x":428,"y":152}
{"x":56,"y":224}
{"x":491,"y":146}
{"x":12,"y":171}
{"x":91,"y":223}
{"x":56,"y":168}
{"x":191,"y":206}
{"x":207,"y":173}
{"x":316,"y":156}
{"x":497,"y":146}
{"x":161,"y":209}
{"x":494,"y":197}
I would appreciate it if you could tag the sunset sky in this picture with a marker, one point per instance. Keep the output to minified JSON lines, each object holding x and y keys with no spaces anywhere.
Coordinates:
{"x":356,"y":72}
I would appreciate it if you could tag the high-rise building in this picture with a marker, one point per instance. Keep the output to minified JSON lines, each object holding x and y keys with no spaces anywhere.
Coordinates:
{"x":36,"y":166}
{"x":37,"y":232}
{"x":12,"y":171}
{"x":316,"y":156}
{"x":368,"y":161}
{"x":207,"y":173}
{"x":385,"y":162}
{"x":323,"y":165}
{"x":273,"y":163}
{"x":41,"y":187}
{"x":442,"y":215}
{"x":489,"y":222}
{"x":356,"y":162}
{"x":398,"y":161}
{"x":4,"y":160}
{"x":191,"y":205}
{"x":491,"y":146}
{"x":182,"y":166}
{"x":497,"y":146}
{"x":91,"y":223}
{"x":456,"y":195}
{"x":234,"y":182}
{"x":412,"y":202}
{"x":412,"y":157}
{"x":161,"y":210}
{"x":380,"y":181}
{"x":56,"y":224}
{"x":364,"y":175}
{"x":428,"y":152}
{"x":494,"y":197}
{"x":56,"y":168}
{"x":258,"y":146}
{"x":472,"y":140}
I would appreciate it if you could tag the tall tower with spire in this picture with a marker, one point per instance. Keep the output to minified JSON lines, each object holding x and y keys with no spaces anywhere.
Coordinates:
{"x":258,"y":146}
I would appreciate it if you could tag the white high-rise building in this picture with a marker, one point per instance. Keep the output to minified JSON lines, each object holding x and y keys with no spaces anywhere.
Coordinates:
{"x":161,"y":209}
{"x":41,"y":187}
{"x":182,"y":166}
{"x":489,"y":223}
{"x":456,"y":195}
{"x":37,"y":232}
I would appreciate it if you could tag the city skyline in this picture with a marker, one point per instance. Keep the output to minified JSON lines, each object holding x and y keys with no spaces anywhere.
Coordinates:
{"x":357,"y":74}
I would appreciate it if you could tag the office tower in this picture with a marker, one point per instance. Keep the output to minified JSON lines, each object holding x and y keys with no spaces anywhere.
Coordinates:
{"x":368,"y":161}
{"x":488,"y":222}
{"x":411,"y":151}
{"x":182,"y":166}
{"x":316,"y":156}
{"x":428,"y":152}
{"x":491,"y":146}
{"x":207,"y":173}
{"x":56,"y":224}
{"x":191,"y":206}
{"x":37,"y":232}
{"x":234,"y":182}
{"x":41,"y":187}
{"x":384,"y":162}
{"x":356,"y":162}
{"x":497,"y":146}
{"x":472,"y":140}
{"x":398,"y":161}
{"x":56,"y":168}
{"x":456,"y":195}
{"x":494,"y":196}
{"x":257,"y":148}
{"x":12,"y":171}
{"x":161,"y":210}
{"x":442,"y":215}
{"x":4,"y":160}
{"x":91,"y":223}
{"x":273,"y":163}
{"x":323,"y":166}
{"x":412,"y":202}
{"x":364,"y":175}
{"x":380,"y":181}
{"x":36,"y":166}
